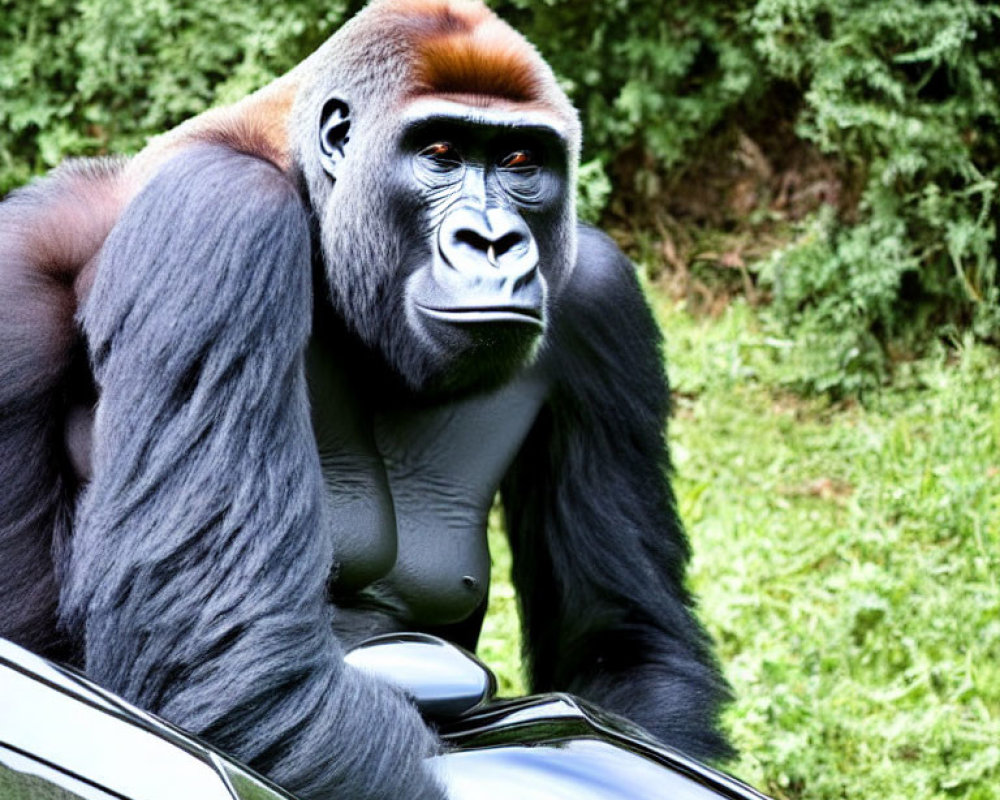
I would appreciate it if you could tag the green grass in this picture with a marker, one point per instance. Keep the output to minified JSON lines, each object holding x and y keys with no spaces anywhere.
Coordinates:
{"x":847,"y":561}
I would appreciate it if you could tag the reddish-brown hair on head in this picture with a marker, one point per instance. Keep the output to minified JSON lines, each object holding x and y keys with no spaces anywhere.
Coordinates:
{"x":461,"y":48}
{"x":462,"y":65}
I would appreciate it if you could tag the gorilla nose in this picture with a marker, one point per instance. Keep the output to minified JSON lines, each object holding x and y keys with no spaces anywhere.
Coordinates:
{"x":488,"y":242}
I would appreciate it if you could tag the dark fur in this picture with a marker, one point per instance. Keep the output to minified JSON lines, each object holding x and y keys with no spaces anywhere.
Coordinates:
{"x":599,"y":552}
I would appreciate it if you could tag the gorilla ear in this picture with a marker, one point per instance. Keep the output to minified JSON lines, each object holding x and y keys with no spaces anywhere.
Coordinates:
{"x":334,"y":124}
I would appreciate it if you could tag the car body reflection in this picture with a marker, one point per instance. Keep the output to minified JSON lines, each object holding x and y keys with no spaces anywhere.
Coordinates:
{"x":63,"y":738}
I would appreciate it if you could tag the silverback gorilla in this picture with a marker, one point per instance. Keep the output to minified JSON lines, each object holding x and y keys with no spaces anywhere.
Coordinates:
{"x":260,"y":384}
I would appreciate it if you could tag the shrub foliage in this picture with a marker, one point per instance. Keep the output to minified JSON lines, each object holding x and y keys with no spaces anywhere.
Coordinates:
{"x":901,"y":97}
{"x":905,"y":94}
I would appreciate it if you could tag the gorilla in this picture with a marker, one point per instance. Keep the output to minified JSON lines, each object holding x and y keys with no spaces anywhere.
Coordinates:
{"x":261,"y":383}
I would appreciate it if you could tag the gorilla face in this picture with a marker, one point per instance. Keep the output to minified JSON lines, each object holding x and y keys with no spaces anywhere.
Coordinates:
{"x":472,"y":213}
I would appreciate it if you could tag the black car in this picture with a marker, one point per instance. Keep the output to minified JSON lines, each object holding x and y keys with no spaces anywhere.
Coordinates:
{"x":62,"y":737}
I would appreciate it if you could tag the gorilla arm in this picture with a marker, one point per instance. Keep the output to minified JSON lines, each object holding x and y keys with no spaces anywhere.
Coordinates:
{"x":599,"y":552}
{"x":198,"y":564}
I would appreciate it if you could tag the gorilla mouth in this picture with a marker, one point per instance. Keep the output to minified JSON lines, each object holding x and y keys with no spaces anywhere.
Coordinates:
{"x":464,"y":315}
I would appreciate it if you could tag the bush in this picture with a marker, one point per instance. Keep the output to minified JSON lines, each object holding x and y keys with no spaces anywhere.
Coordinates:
{"x":905,"y":94}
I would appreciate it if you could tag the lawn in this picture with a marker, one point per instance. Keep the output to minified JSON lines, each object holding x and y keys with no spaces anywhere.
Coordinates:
{"x":847,"y":561}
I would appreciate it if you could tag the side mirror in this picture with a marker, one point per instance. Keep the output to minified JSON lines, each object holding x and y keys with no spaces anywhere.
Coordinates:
{"x":444,"y":680}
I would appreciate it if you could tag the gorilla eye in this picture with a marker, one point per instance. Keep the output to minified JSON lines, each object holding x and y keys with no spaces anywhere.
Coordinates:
{"x":519,"y":159}
{"x":441,"y":153}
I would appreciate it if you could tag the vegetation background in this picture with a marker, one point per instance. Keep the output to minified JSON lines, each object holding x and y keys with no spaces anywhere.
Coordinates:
{"x":810,"y":187}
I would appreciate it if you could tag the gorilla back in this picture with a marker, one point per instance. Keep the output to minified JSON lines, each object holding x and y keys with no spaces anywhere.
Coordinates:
{"x":260,"y":384}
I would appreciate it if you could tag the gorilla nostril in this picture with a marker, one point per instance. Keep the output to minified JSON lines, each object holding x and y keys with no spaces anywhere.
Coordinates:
{"x":507,"y":243}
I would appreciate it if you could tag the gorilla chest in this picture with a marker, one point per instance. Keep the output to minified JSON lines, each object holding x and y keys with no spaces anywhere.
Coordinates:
{"x":408,"y":493}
